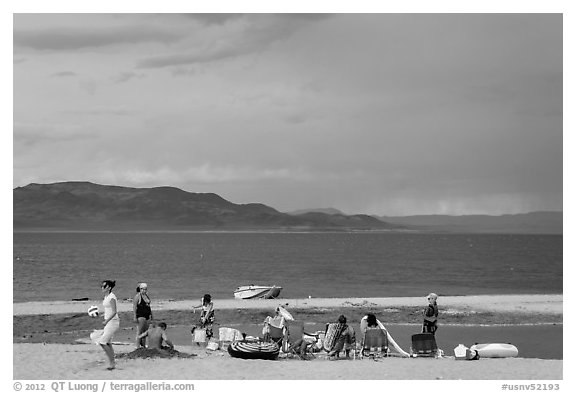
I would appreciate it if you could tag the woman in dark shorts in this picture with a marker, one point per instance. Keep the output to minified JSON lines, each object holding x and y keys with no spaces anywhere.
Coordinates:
{"x":142,"y":312}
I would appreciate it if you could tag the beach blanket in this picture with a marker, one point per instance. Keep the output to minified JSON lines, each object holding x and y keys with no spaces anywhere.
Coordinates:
{"x":199,"y":335}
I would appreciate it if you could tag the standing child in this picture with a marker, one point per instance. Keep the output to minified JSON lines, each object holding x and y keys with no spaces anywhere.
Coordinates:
{"x":430,"y":324}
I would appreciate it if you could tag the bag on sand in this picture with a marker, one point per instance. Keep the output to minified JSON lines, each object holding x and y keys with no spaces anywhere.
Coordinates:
{"x":199,"y":335}
{"x":212,"y":345}
{"x":462,"y":352}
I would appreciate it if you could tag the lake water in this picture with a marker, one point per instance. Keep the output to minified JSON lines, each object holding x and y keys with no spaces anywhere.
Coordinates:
{"x":185,"y":265}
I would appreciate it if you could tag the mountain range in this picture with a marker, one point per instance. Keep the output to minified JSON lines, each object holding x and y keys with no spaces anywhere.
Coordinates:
{"x":543,"y":222}
{"x":89,"y":206}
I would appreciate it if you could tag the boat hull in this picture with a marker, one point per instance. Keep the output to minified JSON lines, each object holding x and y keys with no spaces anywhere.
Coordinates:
{"x":257,"y":292}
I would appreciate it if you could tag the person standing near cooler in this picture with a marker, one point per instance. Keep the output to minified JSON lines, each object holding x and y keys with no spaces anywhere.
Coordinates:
{"x":111,"y":321}
{"x":430,"y":324}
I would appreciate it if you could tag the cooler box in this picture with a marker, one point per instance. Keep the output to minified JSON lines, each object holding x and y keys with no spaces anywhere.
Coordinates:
{"x":461,"y":352}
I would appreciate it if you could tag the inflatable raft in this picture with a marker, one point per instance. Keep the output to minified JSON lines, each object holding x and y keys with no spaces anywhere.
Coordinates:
{"x":253,"y":350}
{"x":495,"y":350}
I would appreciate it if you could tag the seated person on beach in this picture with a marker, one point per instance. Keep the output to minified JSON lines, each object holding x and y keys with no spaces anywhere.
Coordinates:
{"x":276,"y":321}
{"x":371,"y":323}
{"x":344,"y":338}
{"x":302,"y":345}
{"x":157,"y":337}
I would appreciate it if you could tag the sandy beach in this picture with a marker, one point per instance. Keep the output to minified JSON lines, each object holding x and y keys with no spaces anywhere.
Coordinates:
{"x":56,"y":360}
{"x":543,"y":304}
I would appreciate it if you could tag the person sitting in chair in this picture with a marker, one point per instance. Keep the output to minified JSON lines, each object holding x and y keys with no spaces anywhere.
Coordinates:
{"x":344,"y":337}
{"x":277,"y":321}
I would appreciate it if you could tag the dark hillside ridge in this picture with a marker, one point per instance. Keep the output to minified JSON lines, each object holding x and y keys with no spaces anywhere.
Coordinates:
{"x":542,"y":222}
{"x":89,"y":206}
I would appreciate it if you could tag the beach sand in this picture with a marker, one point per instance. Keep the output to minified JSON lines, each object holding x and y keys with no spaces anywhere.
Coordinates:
{"x":61,"y":361}
{"x":54,"y":360}
{"x":544,"y":304}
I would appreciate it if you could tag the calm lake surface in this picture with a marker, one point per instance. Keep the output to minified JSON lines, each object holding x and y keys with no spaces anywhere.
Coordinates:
{"x":185,"y":265}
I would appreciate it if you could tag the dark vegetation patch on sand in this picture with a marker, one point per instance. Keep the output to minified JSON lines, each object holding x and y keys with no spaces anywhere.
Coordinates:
{"x":66,"y":328}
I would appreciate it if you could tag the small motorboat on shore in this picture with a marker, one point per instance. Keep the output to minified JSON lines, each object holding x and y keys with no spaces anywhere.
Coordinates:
{"x":257,"y":292}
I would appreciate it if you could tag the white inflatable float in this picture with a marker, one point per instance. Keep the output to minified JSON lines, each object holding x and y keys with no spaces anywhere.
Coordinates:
{"x":495,"y":350}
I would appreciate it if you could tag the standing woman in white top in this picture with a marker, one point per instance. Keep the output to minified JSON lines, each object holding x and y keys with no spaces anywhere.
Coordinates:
{"x":111,"y":321}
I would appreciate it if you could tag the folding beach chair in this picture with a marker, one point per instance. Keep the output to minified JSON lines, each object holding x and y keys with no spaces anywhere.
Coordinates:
{"x":424,"y":345}
{"x":274,"y":329}
{"x":294,"y":332}
{"x":375,"y":343}
{"x":276,"y":334}
{"x":339,"y":344}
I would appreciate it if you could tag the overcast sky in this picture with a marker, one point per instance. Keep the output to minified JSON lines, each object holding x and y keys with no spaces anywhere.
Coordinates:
{"x":388,"y":114}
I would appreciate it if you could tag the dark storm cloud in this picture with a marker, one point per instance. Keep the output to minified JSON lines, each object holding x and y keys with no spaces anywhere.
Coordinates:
{"x":256,"y":33}
{"x":219,"y":19}
{"x":101,"y":112}
{"x":210,"y":19}
{"x":193,"y":58}
{"x":39,"y":134}
{"x":65,"y":39}
{"x":126,"y":76}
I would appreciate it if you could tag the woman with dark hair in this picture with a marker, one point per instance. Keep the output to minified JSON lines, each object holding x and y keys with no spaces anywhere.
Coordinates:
{"x":142,"y":312}
{"x":111,"y":321}
{"x":372,"y":321}
{"x":207,"y":315}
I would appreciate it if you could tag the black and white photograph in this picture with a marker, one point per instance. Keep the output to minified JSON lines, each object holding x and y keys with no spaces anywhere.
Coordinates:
{"x":291,"y":196}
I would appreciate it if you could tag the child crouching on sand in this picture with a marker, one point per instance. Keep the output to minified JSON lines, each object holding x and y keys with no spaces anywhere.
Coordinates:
{"x":430,"y":324}
{"x":157,"y":337}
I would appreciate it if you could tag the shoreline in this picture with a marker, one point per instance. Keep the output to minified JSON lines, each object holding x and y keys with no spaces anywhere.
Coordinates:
{"x":541,"y":304}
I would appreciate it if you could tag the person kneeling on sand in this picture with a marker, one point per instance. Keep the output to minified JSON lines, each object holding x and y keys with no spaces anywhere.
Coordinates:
{"x":308,"y":342}
{"x":157,"y":337}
